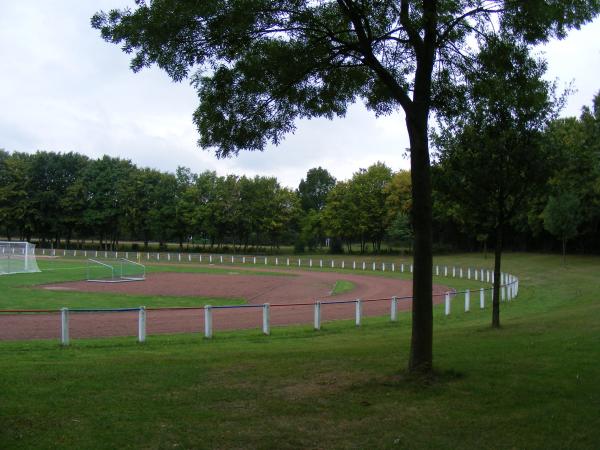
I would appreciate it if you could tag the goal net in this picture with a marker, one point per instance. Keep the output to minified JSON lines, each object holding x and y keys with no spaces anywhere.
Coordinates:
{"x":115,"y":271}
{"x":17,"y":257}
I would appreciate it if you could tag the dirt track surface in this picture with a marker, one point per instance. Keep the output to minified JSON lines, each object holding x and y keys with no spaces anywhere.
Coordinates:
{"x":279,"y":291}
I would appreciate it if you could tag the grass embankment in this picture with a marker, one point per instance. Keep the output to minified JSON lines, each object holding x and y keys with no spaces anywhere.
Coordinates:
{"x":531,"y":384}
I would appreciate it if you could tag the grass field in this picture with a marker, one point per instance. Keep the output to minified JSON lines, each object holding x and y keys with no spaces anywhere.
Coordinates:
{"x":532,"y":384}
{"x":20,"y":291}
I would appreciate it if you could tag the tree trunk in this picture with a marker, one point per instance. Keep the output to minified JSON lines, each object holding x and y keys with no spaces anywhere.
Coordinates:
{"x":421,"y":346}
{"x":497,"y":280}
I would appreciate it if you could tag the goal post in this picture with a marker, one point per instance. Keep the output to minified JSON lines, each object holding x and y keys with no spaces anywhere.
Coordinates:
{"x":132,"y":271}
{"x":17,"y":257}
{"x":115,"y":271}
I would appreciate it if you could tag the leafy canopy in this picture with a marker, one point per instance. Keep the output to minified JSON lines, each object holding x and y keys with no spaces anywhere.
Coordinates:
{"x":258,"y":65}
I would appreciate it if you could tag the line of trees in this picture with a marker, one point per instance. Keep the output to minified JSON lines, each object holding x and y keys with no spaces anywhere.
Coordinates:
{"x":58,"y":198}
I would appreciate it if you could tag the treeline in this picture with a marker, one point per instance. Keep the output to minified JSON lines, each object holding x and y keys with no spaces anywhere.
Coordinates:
{"x":69,"y":199}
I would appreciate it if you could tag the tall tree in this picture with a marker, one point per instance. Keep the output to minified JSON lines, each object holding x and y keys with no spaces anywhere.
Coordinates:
{"x":263,"y":64}
{"x":491,"y":153}
{"x":313,"y":191}
{"x":562,"y":217}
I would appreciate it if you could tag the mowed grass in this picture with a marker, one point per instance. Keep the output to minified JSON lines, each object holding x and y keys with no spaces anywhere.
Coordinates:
{"x":342,"y":287}
{"x":532,"y":384}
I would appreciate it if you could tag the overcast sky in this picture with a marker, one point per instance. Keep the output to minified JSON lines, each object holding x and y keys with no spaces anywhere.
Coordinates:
{"x":62,"y":88}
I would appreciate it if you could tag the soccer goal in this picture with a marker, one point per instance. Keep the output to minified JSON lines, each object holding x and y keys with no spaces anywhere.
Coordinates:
{"x":17,"y":257}
{"x":117,"y":271}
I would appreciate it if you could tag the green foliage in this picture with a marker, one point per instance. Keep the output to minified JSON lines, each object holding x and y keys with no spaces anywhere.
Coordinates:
{"x":313,"y":191}
{"x":562,"y":216}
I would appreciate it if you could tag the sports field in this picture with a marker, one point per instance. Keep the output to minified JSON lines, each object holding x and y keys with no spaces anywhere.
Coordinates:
{"x":531,"y":384}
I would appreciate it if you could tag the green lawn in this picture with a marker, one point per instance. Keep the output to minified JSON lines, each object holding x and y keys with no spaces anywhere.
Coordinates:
{"x":532,"y":384}
{"x":343,"y":287}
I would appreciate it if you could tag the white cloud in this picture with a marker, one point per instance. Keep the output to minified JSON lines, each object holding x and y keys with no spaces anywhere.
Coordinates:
{"x":64,"y":89}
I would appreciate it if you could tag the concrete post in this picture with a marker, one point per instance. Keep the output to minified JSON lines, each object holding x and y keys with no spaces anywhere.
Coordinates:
{"x":467,"y":300}
{"x":481,"y":298}
{"x":317,"y":315}
{"x":208,"y":328}
{"x":358,"y":312}
{"x":266,"y":327}
{"x":142,"y":324}
{"x":447,"y":304}
{"x":64,"y":326}
{"x":394,"y":310}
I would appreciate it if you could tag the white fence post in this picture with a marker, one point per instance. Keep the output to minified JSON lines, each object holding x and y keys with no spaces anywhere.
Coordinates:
{"x":394,"y":310}
{"x":254,"y":259}
{"x":343,"y":264}
{"x":208,"y":328}
{"x":317,"y":315}
{"x":402,"y":267}
{"x":411,"y":268}
{"x":445,"y":271}
{"x":142,"y":324}
{"x":374,"y":269}
{"x":453,"y":272}
{"x":358,"y":312}
{"x":310,"y":262}
{"x":467,"y":300}
{"x":481,"y":298}
{"x":437,"y":270}
{"x":447,"y":303}
{"x":321,"y":263}
{"x":393,"y":267}
{"x":460,"y":273}
{"x":266,"y":327}
{"x":363,"y":266}
{"x":64,"y":326}
{"x":469,"y":273}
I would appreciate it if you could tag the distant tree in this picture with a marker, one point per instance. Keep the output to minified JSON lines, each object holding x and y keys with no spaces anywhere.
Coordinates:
{"x":14,"y":203}
{"x":313,"y":191}
{"x":104,"y":185}
{"x":369,"y":188}
{"x":491,"y":157}
{"x":400,"y":230}
{"x":339,"y":218}
{"x":262,"y":65}
{"x":562,"y":217}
